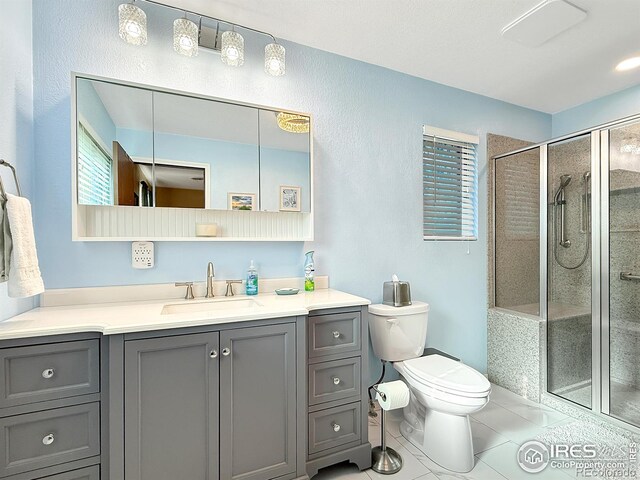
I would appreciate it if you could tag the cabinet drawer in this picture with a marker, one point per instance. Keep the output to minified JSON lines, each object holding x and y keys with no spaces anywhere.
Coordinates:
{"x":334,"y":380}
{"x":41,"y":439}
{"x":334,"y":334}
{"x":48,"y":372}
{"x":334,"y":427}
{"x":89,"y":473}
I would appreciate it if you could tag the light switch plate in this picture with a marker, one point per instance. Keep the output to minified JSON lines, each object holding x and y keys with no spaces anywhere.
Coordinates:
{"x":142,"y":255}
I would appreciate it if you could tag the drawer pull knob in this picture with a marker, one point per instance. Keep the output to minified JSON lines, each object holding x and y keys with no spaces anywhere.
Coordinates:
{"x":48,"y":373}
{"x":335,"y":426}
{"x":336,"y":334}
{"x":336,"y":380}
{"x":213,"y":354}
{"x":226,"y":351}
{"x":48,"y":439}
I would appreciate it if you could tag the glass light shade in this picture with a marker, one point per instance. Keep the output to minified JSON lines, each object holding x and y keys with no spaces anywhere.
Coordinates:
{"x":274,"y":59}
{"x":132,"y":23}
{"x":185,"y":37}
{"x":291,"y":122}
{"x":232,"y":49}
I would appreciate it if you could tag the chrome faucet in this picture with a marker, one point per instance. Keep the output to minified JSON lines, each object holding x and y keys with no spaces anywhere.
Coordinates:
{"x":210,"y":277}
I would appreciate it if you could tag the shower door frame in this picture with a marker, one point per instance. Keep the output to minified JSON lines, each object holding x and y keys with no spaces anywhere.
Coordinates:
{"x":600,"y":264}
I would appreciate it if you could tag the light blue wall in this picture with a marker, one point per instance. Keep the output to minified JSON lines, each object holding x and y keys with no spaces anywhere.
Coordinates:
{"x":599,"y":111}
{"x":16,"y":115}
{"x":368,"y":171}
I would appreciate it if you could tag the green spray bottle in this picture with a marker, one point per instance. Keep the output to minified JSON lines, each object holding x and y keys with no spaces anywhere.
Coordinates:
{"x":309,"y":269}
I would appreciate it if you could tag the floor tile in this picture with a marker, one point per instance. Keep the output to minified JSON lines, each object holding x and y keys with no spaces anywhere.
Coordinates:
{"x":481,"y":471}
{"x":504,"y":397}
{"x":506,"y":423}
{"x":538,"y":414}
{"x":484,"y":437}
{"x":503,"y":459}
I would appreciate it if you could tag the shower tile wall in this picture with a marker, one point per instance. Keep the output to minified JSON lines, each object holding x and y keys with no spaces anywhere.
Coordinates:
{"x":624,"y":245}
{"x":514,"y":348}
{"x":569,"y":289}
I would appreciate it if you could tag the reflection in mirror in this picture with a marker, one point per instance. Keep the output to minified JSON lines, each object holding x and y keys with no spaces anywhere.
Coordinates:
{"x":285,"y":174}
{"x":106,"y":172}
{"x":219,"y":139}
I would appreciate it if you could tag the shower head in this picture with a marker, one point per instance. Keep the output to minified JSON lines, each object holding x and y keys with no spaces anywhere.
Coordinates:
{"x":565,"y":180}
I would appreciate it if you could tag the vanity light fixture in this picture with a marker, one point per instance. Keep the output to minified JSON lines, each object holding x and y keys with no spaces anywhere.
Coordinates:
{"x":132,"y":23}
{"x":293,"y":123}
{"x":185,"y":37}
{"x":232,"y":50}
{"x":188,"y":37}
{"x":274,"y":58}
{"x":628,"y":64}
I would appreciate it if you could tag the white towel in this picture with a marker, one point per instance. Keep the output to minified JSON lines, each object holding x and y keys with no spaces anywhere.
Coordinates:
{"x":24,"y":274}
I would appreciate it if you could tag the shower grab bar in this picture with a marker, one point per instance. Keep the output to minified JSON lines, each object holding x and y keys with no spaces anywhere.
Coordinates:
{"x":629,"y":276}
{"x":15,"y":178}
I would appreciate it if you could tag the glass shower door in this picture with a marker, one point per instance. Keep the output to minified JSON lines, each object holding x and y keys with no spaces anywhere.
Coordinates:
{"x":569,"y":286}
{"x":621,"y":290}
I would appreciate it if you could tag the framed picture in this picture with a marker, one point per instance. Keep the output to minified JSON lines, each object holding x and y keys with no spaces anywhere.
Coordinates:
{"x":289,"y":198}
{"x":242,"y":201}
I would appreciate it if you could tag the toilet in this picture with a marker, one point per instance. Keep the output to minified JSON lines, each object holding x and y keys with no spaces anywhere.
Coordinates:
{"x":444,"y":392}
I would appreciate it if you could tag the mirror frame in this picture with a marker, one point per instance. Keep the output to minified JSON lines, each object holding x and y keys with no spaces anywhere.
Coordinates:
{"x":307,"y":223}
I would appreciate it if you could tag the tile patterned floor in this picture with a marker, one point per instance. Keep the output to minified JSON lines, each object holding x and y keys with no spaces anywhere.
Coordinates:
{"x":498,"y":431}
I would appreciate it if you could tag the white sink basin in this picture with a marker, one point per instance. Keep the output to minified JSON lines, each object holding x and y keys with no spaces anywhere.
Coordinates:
{"x":210,"y":306}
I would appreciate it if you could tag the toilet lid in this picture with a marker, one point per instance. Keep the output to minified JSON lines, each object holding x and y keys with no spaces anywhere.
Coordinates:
{"x":447,"y":374}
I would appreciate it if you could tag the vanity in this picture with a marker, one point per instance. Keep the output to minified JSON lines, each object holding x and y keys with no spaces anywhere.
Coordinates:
{"x":226,"y":388}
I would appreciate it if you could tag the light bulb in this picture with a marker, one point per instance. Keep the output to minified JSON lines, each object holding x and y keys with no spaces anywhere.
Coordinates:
{"x":132,"y":24}
{"x":274,"y":59}
{"x":185,"y":37}
{"x":232,"y":49}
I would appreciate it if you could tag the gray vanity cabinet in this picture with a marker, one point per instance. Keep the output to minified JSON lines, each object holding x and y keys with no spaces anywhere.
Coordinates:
{"x":209,"y":405}
{"x":171,"y":407}
{"x":258,"y":402}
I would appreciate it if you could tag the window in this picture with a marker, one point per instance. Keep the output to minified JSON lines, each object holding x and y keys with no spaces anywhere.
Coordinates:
{"x":450,"y":185}
{"x":95,"y":171}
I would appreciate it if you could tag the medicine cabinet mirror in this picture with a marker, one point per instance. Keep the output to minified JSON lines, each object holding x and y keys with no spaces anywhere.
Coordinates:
{"x":151,"y":163}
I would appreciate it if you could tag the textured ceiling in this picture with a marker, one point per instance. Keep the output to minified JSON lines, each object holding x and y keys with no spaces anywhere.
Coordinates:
{"x":458,"y":42}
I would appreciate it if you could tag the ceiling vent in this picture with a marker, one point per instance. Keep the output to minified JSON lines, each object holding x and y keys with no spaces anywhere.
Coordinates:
{"x":543,"y":22}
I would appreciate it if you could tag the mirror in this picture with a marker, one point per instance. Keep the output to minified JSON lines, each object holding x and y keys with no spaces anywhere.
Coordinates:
{"x":115,"y":122}
{"x":137,"y":146}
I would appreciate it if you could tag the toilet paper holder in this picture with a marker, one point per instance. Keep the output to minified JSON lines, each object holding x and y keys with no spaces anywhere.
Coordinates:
{"x":384,"y":460}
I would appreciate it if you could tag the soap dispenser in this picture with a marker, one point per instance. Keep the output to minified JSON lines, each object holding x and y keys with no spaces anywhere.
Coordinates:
{"x":309,"y":269}
{"x":252,"y":280}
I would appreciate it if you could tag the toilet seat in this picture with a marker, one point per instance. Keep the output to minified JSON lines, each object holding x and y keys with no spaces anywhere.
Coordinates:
{"x":446,"y":375}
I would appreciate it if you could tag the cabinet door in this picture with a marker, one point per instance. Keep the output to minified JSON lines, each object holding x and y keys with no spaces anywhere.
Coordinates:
{"x":171,"y":408}
{"x":258,"y":402}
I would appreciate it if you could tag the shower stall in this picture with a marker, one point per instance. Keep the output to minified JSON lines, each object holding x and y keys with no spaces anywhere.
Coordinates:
{"x":566,"y":240}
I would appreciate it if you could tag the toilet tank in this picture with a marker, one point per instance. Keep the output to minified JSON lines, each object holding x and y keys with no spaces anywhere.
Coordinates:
{"x":398,"y":333}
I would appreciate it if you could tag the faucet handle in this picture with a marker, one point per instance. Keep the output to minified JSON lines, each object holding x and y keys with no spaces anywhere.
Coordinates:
{"x":189,"y":285}
{"x":230,"y":292}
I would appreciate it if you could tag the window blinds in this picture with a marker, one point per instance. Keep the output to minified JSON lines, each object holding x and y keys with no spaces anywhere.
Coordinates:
{"x":450,"y":185}
{"x":95,"y":172}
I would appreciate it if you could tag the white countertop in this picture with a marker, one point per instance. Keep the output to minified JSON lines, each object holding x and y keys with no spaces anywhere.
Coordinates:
{"x":127,"y":317}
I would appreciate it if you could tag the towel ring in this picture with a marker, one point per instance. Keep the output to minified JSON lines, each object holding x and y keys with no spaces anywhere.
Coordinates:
{"x":3,"y":192}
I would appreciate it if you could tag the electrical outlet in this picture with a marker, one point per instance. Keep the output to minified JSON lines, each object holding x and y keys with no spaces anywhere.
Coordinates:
{"x":142,"y":255}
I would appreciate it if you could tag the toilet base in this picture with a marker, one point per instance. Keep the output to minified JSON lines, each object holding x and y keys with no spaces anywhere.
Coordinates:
{"x":448,"y":441}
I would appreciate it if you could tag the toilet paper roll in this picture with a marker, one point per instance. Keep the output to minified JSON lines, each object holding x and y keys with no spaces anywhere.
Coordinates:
{"x":396,"y":395}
